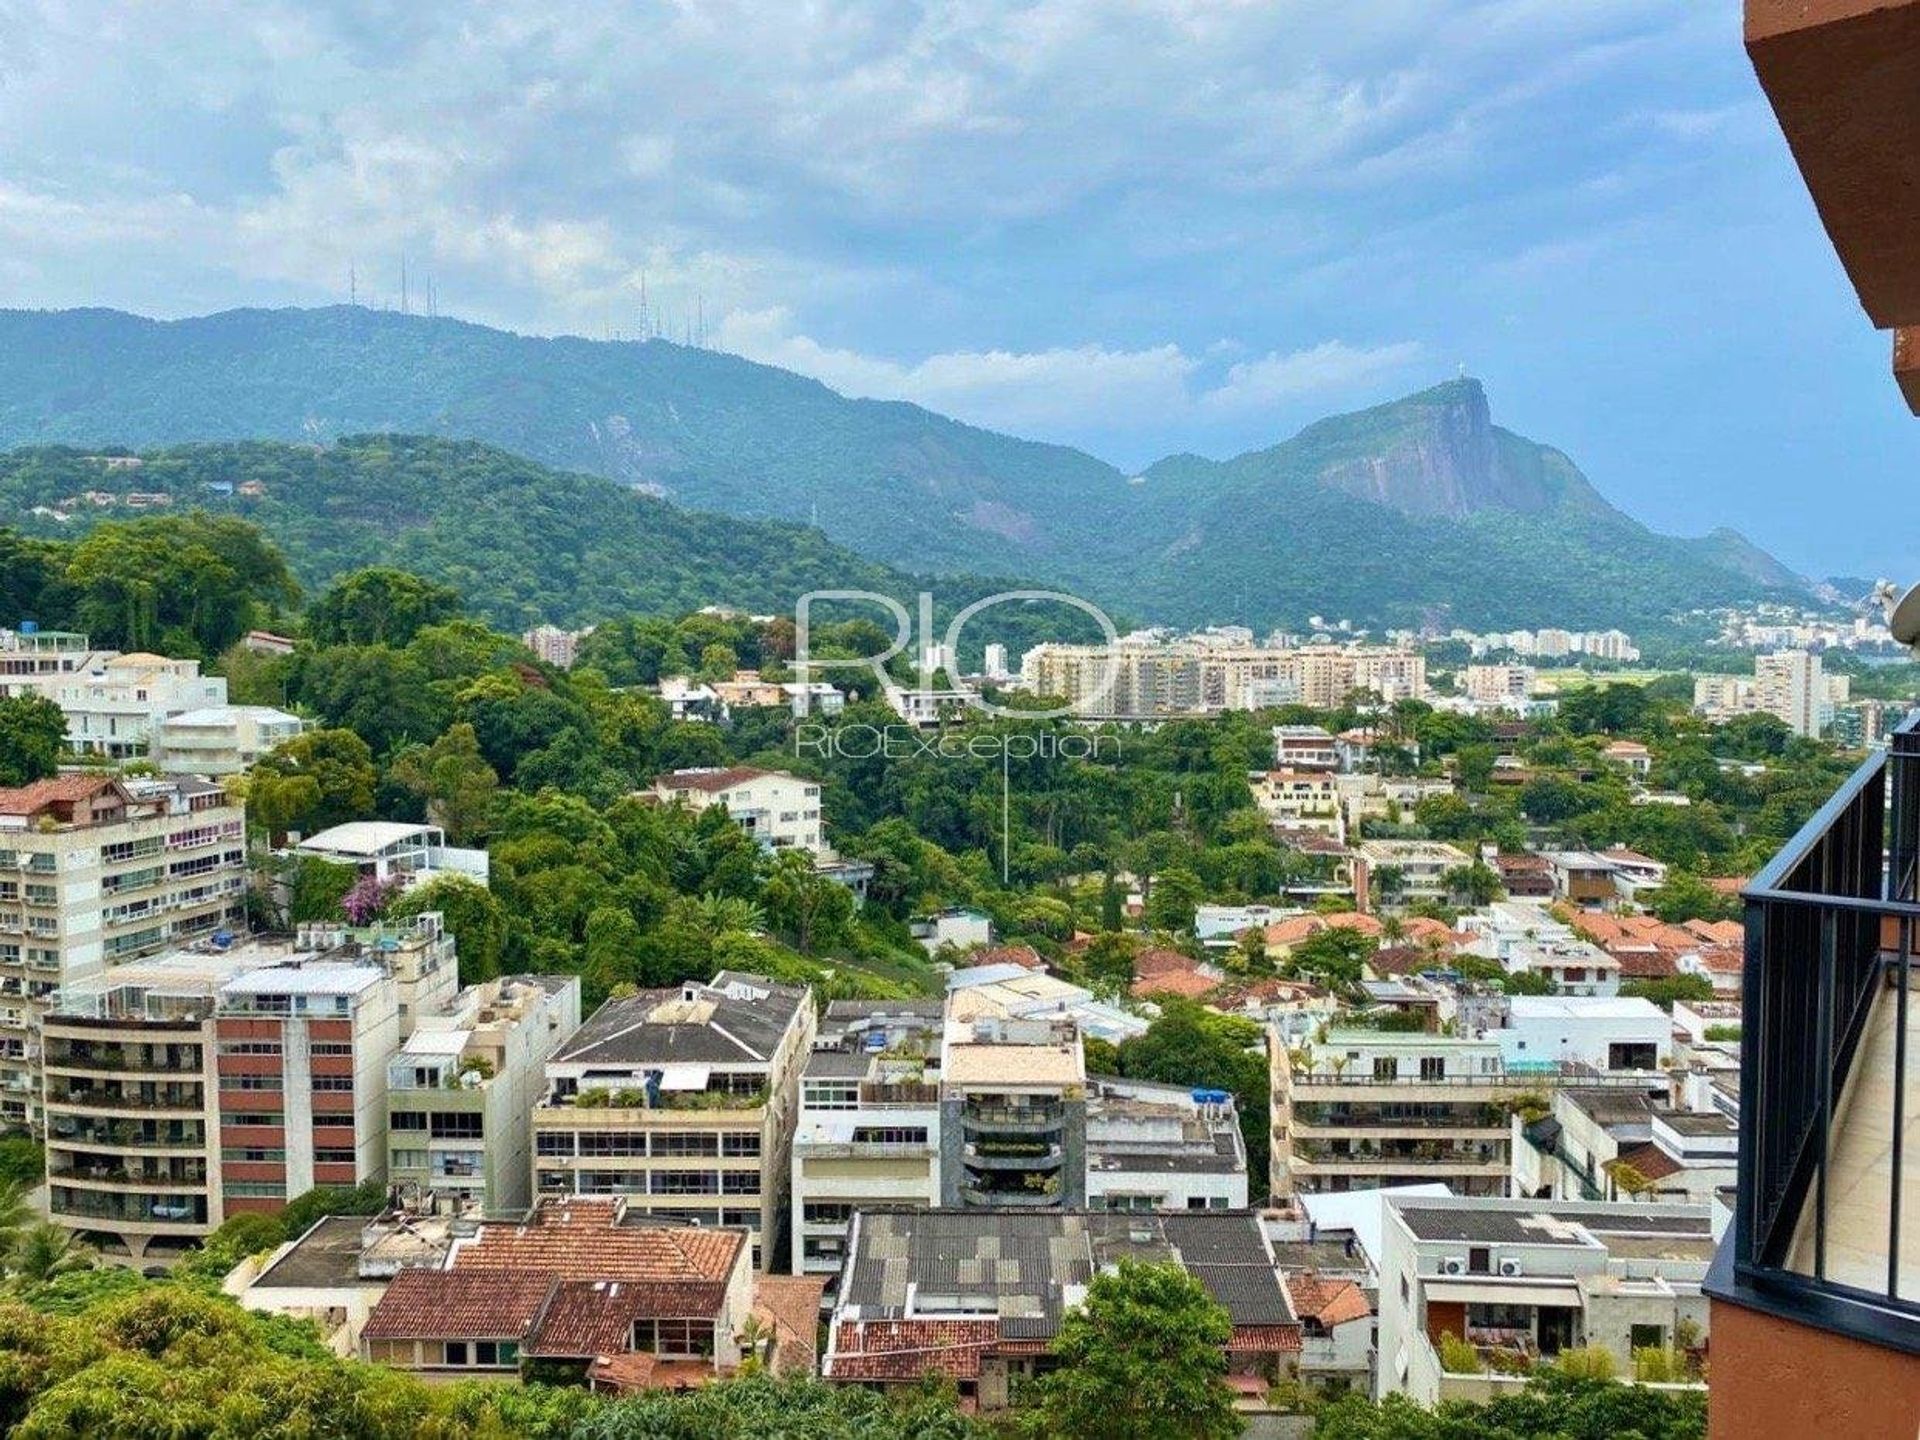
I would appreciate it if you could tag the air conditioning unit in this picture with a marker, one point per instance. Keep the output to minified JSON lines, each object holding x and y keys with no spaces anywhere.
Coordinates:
{"x":1453,"y":1267}
{"x":1509,"y":1266}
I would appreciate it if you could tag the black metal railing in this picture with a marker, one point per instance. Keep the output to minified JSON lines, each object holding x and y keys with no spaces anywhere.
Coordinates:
{"x":1830,"y":933}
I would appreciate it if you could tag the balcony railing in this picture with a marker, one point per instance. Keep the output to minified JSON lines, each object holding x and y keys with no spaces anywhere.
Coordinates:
{"x":1830,"y":925}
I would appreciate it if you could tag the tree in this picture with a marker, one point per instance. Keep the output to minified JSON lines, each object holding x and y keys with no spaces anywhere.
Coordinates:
{"x":311,"y":782}
{"x":1476,"y":884}
{"x":1175,"y":896}
{"x":1675,"y":987}
{"x":182,"y":584}
{"x":472,"y":914}
{"x":1144,"y":1358}
{"x":1686,"y":896}
{"x":379,"y":606}
{"x":453,"y":778}
{"x":1333,"y":956}
{"x":33,"y":731}
{"x":804,"y":907}
{"x":46,"y":1252}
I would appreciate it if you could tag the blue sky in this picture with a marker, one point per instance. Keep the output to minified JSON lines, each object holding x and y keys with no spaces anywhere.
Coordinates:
{"x":1136,"y":227}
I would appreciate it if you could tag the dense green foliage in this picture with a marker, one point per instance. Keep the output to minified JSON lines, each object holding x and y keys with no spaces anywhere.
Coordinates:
{"x":1551,"y":1405}
{"x":1141,"y":1359}
{"x":1285,"y":531}
{"x":33,"y":732}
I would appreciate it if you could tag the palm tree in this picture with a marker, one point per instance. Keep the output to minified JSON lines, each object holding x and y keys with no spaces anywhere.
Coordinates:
{"x":730,"y":915}
{"x":47,"y":1251}
{"x":15,"y":1215}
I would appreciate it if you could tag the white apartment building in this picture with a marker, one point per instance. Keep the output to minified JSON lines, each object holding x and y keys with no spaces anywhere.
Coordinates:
{"x":553,"y":646}
{"x":95,"y":871}
{"x":683,"y":1100}
{"x":1304,"y":747}
{"x":395,"y":850}
{"x":1523,"y":1280}
{"x":1621,"y":1034}
{"x":1421,"y":865}
{"x":1526,"y":938}
{"x":461,"y":1093}
{"x":114,"y":702}
{"x":1623,"y":1146}
{"x":779,"y":810}
{"x":219,"y":740}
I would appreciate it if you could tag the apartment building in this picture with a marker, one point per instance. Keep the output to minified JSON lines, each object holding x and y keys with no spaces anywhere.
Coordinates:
{"x":1304,"y":747}
{"x":1414,"y":869}
{"x":553,"y":646}
{"x":1301,"y":800}
{"x":1621,"y":1145}
{"x":872,"y":1130}
{"x":95,"y":871}
{"x":395,"y":851}
{"x":113,"y":703}
{"x":1497,"y":685}
{"x":1143,"y":679}
{"x":780,"y":811}
{"x":462,"y":1089}
{"x":302,"y":1074}
{"x":1013,"y":1114}
{"x":683,"y":1100}
{"x":1523,"y":1280}
{"x":180,"y":1089}
{"x":868,"y":1132}
{"x":219,"y":739}
{"x":1790,"y":686}
{"x":1361,"y":1108}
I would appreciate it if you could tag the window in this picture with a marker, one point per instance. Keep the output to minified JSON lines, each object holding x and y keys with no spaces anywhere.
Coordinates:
{"x":831,"y":1095}
{"x":826,"y":1212}
{"x":249,"y":1047}
{"x":1433,"y":1067}
{"x":553,"y":1142}
{"x":1386,"y":1067}
{"x":890,"y":1135}
{"x":1479,"y":1260}
{"x":685,"y":1142}
{"x":408,"y":1159}
{"x":612,"y":1142}
{"x":688,"y":1182}
{"x":674,"y":1339}
{"x":333,"y":1157}
{"x":1647,"y":1337}
{"x":253,"y":1082}
{"x":458,"y":1125}
{"x":329,"y":1047}
{"x":253,"y":1117}
{"x":332,"y":1082}
{"x":740,"y":1144}
{"x":740,"y":1182}
{"x":456,"y":1352}
{"x":407,"y":1120}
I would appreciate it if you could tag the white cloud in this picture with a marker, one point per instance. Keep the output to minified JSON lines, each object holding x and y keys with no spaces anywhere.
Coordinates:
{"x":1071,"y":389}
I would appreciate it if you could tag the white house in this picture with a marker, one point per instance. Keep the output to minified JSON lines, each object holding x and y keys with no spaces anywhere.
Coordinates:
{"x":1607,"y":1034}
{"x":220,"y":739}
{"x":779,"y":810}
{"x":395,"y":850}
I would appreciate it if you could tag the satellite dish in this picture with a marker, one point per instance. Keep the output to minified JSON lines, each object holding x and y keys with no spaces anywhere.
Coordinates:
{"x":1902,"y":611}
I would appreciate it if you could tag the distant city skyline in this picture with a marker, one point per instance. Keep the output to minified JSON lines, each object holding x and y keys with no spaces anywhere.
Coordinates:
{"x":1138,"y":230}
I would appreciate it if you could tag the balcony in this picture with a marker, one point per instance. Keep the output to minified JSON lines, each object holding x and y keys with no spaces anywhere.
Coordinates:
{"x":1827,"y":1222}
{"x":1038,"y":1156}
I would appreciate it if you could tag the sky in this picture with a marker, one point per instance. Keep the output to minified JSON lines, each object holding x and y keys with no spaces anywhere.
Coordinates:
{"x":1136,"y":226}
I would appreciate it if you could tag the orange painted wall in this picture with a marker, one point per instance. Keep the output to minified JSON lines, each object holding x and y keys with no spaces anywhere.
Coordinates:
{"x":1771,"y":1379}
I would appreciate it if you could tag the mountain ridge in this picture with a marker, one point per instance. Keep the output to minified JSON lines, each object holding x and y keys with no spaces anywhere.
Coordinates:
{"x":1428,"y":478}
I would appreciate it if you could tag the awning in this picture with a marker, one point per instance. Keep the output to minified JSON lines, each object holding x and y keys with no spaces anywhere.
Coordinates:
{"x":685,"y":1077}
{"x":1564,"y":1294}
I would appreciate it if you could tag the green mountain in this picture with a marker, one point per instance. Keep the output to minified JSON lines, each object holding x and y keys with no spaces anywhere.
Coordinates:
{"x":1417,"y":510}
{"x":520,"y":542}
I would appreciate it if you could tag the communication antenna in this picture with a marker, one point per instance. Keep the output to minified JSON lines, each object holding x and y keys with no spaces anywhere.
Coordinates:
{"x":643,"y":305}
{"x":403,"y":282}
{"x":1902,"y":609}
{"x":353,"y":285}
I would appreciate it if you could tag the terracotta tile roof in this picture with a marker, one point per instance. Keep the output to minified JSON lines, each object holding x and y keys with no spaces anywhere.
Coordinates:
{"x":791,"y":1305}
{"x":1294,"y":929}
{"x":1155,"y":960}
{"x":622,"y":1373}
{"x":1425,"y":927}
{"x":1651,"y":1161}
{"x":458,"y":1305}
{"x":909,"y":1349}
{"x":1353,"y":920}
{"x":1267,"y":991}
{"x":584,"y":1319}
{"x":1719,"y":932}
{"x":1022,"y":955}
{"x":1263,"y":1339}
{"x":1647,"y":965}
{"x":711,"y":781}
{"x":1189,"y":983}
{"x":1718,"y":960}
{"x":1331,"y":1302}
{"x":59,"y":790}
{"x":1400,"y":960}
{"x":591,"y":1247}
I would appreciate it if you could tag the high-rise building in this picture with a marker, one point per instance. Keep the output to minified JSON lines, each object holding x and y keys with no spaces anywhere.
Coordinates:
{"x":180,"y":1089}
{"x":1790,"y":686}
{"x":683,"y":1100}
{"x":461,"y":1092}
{"x":95,"y":871}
